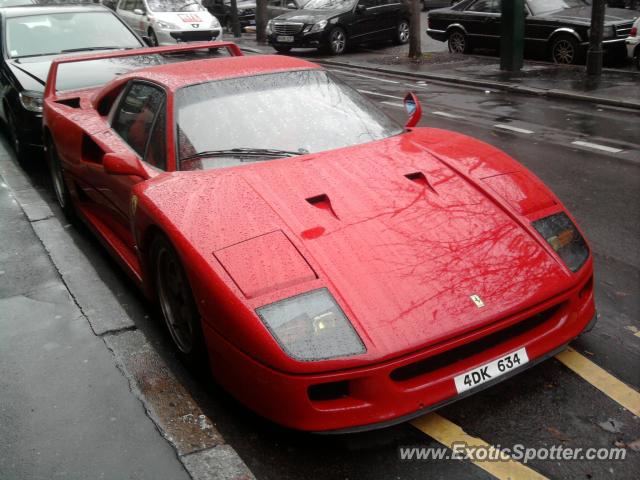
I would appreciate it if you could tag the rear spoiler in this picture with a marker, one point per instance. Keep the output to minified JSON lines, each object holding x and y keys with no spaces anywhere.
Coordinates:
{"x":50,"y":88}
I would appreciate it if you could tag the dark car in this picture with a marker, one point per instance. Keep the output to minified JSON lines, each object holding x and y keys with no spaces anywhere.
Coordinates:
{"x":334,"y":24}
{"x":31,"y":37}
{"x":221,"y":9}
{"x":431,"y":4}
{"x":558,"y":29}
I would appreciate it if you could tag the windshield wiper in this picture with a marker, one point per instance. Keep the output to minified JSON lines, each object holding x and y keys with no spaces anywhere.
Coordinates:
{"x":86,"y":49}
{"x":247,"y":152}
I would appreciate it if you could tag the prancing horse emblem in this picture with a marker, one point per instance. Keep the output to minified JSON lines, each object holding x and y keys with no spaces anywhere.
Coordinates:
{"x":477,"y":300}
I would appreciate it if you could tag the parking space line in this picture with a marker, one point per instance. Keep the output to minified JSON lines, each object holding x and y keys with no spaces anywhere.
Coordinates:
{"x":602,"y":380}
{"x":368,"y":92}
{"x":447,"y":114}
{"x":448,"y":433}
{"x":513,"y":129}
{"x":394,"y":104}
{"x":364,"y":76}
{"x":596,"y":146}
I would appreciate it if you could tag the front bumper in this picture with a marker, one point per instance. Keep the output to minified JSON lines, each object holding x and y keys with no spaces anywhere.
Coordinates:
{"x":167,"y":37}
{"x":300,"y":40}
{"x":632,"y":45}
{"x":29,"y":127}
{"x":393,"y":391}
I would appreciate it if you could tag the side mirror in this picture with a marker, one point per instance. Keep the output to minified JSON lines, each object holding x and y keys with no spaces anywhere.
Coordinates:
{"x":124,"y":163}
{"x":138,"y":11}
{"x":413,"y":108}
{"x":361,"y":8}
{"x":292,"y":6}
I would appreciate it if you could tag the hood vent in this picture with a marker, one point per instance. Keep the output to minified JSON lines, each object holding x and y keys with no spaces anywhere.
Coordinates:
{"x":323,"y":203}
{"x":420,"y":179}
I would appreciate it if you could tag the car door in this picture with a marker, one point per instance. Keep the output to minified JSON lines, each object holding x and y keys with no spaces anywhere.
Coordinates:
{"x":389,"y":14}
{"x":138,"y":123}
{"x":482,"y":21}
{"x":366,"y":22}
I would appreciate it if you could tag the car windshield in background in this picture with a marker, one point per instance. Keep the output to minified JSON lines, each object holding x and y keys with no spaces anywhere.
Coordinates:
{"x":52,"y":34}
{"x":296,"y":112}
{"x":543,"y":7}
{"x":329,"y":4}
{"x":174,"y":6}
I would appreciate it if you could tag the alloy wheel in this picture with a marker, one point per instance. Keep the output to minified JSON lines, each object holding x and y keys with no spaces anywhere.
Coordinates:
{"x":403,"y":32}
{"x":563,"y":52}
{"x":457,"y":42}
{"x":57,"y":176}
{"x":338,"y":41}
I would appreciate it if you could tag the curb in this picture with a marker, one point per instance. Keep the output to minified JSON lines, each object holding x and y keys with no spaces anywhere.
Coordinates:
{"x":509,"y":87}
{"x":198,"y":445}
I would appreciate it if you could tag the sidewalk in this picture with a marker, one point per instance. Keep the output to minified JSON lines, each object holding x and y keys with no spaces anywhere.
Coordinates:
{"x":615,"y":87}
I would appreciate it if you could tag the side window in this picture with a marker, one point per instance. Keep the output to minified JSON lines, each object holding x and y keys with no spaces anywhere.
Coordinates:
{"x":136,"y":113}
{"x":486,"y":6}
{"x":156,"y":153}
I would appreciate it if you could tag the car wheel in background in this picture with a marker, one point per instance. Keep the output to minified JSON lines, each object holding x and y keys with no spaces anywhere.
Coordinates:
{"x":458,"y":42}
{"x":564,"y":50}
{"x":153,"y":38}
{"x":177,"y":304}
{"x":401,"y":35}
{"x":57,"y":179}
{"x":337,"y":41}
{"x":282,"y":49}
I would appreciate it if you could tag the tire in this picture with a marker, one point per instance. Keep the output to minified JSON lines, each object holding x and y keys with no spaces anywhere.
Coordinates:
{"x":281,"y":49}
{"x":564,"y":50}
{"x":20,"y":149}
{"x":401,"y":35}
{"x":57,"y":180}
{"x":177,"y":304}
{"x":153,"y":38}
{"x":337,"y":41}
{"x":458,"y":42}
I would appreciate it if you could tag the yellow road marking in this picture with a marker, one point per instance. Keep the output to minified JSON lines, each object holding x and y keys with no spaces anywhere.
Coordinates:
{"x":602,"y":380}
{"x":448,"y":434}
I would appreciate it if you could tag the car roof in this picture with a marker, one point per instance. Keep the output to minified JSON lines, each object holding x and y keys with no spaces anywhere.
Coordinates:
{"x":26,"y":10}
{"x":174,"y":75}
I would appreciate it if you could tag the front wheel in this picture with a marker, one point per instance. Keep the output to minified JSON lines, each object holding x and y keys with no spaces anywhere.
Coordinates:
{"x":177,"y":304}
{"x":337,"y":41}
{"x":401,"y":35}
{"x":57,"y":180}
{"x":564,"y":50}
{"x":153,"y":38}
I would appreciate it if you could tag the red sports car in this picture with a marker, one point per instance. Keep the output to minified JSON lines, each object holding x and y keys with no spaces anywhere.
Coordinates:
{"x":337,"y":270}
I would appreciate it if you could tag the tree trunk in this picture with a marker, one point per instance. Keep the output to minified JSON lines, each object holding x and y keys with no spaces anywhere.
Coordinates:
{"x":261,"y":21}
{"x":415,"y":46}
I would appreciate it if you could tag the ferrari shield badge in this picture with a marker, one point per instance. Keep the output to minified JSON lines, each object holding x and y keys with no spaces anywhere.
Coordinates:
{"x":477,"y":300}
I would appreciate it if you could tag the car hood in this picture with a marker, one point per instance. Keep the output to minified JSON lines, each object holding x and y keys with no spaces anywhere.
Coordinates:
{"x":402,"y":255}
{"x":582,"y":15}
{"x":309,"y":16}
{"x":32,"y":72}
{"x":185,"y":19}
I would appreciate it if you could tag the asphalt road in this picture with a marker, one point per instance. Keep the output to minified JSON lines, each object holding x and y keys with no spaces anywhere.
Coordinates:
{"x":599,"y":181}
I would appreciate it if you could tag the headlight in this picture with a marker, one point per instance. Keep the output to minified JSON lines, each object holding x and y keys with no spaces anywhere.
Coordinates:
{"x":565,"y":239}
{"x":32,"y":101}
{"x":311,"y":326}
{"x":215,"y":23}
{"x":318,"y":27}
{"x":269,"y":27}
{"x":167,"y":25}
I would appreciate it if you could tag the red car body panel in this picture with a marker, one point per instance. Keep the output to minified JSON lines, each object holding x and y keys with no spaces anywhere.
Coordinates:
{"x":401,"y":231}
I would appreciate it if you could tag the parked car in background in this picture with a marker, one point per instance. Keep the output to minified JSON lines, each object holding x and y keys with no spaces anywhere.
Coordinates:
{"x":335,"y":24}
{"x":167,"y":22}
{"x":431,"y":4}
{"x":221,"y":9}
{"x":623,"y":3}
{"x":31,"y":37}
{"x":557,"y":29}
{"x":112,"y":4}
{"x":633,"y":43}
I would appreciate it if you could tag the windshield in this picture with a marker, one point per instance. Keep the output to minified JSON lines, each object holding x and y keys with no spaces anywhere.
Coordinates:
{"x":51,"y":34}
{"x":301,"y":111}
{"x":542,"y":7}
{"x":174,"y":6}
{"x":12,"y":3}
{"x":329,"y":4}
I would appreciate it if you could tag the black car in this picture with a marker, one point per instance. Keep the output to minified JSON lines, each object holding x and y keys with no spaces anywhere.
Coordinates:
{"x":334,"y":24}
{"x":431,"y":4}
{"x":31,"y":37}
{"x":558,"y":29}
{"x":221,"y":9}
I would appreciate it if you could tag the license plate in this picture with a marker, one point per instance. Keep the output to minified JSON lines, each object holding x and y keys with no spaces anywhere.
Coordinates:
{"x":491,"y":370}
{"x":284,"y":38}
{"x":252,"y":22}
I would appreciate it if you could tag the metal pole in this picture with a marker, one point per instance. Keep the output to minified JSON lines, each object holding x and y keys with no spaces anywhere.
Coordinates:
{"x":235,"y":23}
{"x":512,"y":38}
{"x":594,"y":54}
